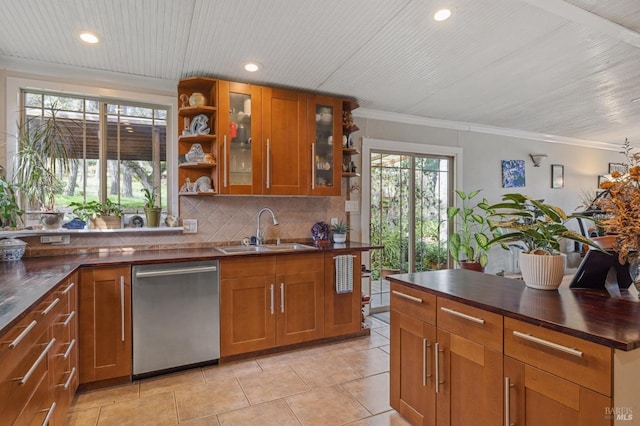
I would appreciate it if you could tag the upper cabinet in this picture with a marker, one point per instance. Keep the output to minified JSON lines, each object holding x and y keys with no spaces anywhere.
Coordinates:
{"x":325,"y":134}
{"x":241,"y":134}
{"x":267,"y":141}
{"x":197,"y":136}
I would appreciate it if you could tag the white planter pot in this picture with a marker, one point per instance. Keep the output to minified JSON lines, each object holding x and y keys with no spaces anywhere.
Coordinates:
{"x":339,"y":238}
{"x":542,"y":272}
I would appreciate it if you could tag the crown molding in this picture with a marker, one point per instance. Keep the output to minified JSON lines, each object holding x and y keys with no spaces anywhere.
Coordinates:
{"x":479,"y":128}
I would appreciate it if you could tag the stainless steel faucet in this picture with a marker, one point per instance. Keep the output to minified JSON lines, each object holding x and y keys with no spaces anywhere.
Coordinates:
{"x":275,"y":222}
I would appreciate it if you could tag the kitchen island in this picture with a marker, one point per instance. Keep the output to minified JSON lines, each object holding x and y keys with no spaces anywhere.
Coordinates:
{"x":472,"y":348}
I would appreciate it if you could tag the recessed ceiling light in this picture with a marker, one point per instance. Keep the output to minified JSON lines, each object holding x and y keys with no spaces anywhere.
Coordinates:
{"x":442,"y":15}
{"x":89,"y":37}
{"x":252,"y":67}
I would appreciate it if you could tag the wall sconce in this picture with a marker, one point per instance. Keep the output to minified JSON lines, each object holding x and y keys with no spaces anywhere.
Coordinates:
{"x":537,"y":159}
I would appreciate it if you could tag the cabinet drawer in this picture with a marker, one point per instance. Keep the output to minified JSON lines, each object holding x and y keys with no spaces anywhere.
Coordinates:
{"x":572,"y":358}
{"x":472,"y":323}
{"x":414,"y":303}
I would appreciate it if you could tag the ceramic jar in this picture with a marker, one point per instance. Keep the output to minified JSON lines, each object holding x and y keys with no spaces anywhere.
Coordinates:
{"x":197,"y":99}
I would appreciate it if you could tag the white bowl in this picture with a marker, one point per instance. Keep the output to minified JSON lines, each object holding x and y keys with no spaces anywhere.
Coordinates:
{"x":11,"y":249}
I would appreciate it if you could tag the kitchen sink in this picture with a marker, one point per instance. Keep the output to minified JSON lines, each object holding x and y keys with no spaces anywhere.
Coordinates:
{"x":264,"y":248}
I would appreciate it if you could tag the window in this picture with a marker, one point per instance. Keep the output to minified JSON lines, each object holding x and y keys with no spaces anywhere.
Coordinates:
{"x":120,"y":148}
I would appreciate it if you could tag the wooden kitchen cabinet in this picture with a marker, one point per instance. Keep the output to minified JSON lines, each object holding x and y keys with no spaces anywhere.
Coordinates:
{"x":192,"y":131}
{"x":342,"y":312}
{"x":37,"y":360}
{"x":269,"y":301}
{"x":555,"y":379}
{"x":325,"y":136}
{"x":446,"y":360}
{"x":105,"y":323}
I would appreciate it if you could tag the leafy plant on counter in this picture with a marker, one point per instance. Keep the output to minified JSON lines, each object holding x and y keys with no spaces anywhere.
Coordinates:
{"x":340,"y":228}
{"x":150,"y":196}
{"x":10,"y":211}
{"x":94,"y":209}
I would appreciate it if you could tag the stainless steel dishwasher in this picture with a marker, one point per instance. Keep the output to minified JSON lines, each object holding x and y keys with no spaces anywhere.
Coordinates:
{"x":176,"y":316}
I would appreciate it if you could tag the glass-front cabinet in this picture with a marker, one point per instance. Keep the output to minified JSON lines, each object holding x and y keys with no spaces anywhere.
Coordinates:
{"x":326,"y":136}
{"x":240,"y":127}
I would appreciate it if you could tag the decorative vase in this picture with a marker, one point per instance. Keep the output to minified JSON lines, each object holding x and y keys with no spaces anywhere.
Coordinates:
{"x":634,"y":270}
{"x":153,"y":216}
{"x":471,"y":266}
{"x":542,"y":272}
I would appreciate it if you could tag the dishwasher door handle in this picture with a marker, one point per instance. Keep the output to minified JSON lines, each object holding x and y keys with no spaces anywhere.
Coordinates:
{"x":175,"y":271}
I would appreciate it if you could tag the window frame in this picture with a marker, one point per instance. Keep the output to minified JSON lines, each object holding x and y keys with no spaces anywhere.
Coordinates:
{"x":16,"y":85}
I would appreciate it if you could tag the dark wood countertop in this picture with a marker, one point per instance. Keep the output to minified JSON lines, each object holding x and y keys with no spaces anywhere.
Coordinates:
{"x":589,"y":314}
{"x":24,"y":283}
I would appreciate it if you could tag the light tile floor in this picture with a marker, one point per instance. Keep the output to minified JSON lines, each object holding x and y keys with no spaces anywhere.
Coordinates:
{"x":345,"y":383}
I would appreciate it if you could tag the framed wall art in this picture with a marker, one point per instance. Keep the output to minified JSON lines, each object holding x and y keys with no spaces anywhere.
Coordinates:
{"x":557,"y":176}
{"x":617,"y":167}
{"x":513,"y":173}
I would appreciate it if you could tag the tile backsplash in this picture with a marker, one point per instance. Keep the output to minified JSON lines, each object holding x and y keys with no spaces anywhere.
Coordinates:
{"x":220,"y":219}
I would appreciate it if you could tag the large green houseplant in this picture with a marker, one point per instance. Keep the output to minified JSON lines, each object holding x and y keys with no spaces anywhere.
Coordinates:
{"x":537,"y":227}
{"x":43,"y":156}
{"x":10,"y":211}
{"x":469,"y":244}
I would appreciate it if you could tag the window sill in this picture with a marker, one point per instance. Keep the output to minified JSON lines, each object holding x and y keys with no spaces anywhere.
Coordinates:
{"x":60,"y":231}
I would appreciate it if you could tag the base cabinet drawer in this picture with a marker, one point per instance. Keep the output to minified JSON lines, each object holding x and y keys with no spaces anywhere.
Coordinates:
{"x":585,"y":363}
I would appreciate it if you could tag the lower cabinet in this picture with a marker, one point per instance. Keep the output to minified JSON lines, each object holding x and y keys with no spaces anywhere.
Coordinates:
{"x":105,"y":323}
{"x":342,"y":312}
{"x":269,"y":301}
{"x":454,"y":364}
{"x":38,"y":361}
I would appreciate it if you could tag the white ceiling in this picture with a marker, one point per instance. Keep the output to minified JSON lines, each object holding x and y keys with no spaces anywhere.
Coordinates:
{"x":569,"y":69}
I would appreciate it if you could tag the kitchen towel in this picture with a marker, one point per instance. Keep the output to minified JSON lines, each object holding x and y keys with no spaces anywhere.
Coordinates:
{"x":344,"y":273}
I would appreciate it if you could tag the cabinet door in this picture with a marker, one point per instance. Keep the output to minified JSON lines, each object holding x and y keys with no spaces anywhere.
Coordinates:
{"x":240,"y":128}
{"x":342,"y":312}
{"x":300,"y":298}
{"x":412,"y":371}
{"x":537,"y":398}
{"x":105,"y":323}
{"x":325,"y":134}
{"x":286,"y":156}
{"x":470,"y":382}
{"x":247,"y":314}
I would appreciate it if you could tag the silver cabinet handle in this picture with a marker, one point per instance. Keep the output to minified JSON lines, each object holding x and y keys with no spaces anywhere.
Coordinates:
{"x":313,"y":166}
{"x":122,"y":303}
{"x":68,"y":382}
{"x":271,"y":308}
{"x":437,"y":362}
{"x":406,"y":296}
{"x":424,"y":362}
{"x":22,"y":335}
{"x":34,"y":366}
{"x":507,"y":400}
{"x":179,"y":271}
{"x":51,"y":306}
{"x":547,"y":343}
{"x":69,"y":318}
{"x":461,"y":315}
{"x":69,"y":349}
{"x":49,"y":414}
{"x":268,"y":164}
{"x":69,"y":287}
{"x":281,"y":297}
{"x":224,"y":156}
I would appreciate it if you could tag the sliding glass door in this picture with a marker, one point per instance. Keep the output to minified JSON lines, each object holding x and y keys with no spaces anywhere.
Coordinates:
{"x":410,"y":193}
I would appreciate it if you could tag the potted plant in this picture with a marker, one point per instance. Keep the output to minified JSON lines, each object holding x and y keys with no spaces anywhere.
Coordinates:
{"x":10,"y":212}
{"x":151,"y":210}
{"x":537,"y":227}
{"x":41,"y":159}
{"x":469,"y":244}
{"x":339,"y":231}
{"x":107,"y":215}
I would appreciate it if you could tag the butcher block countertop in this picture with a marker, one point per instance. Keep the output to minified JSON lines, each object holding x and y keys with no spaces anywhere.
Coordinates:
{"x":589,"y":314}
{"x":26,"y":282}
